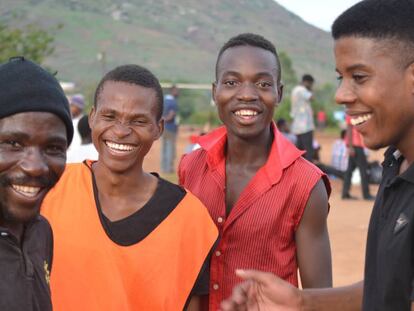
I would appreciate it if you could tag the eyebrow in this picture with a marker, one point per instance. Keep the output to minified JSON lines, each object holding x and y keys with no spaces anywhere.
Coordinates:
{"x":51,"y":138}
{"x":133,"y":116}
{"x":258,"y":74}
{"x":353,"y":67}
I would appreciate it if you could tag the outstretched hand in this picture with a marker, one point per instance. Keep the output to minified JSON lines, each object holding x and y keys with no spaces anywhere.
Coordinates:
{"x":262,"y":291}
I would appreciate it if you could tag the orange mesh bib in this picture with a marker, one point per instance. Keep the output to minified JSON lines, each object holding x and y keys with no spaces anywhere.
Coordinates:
{"x":91,"y":272}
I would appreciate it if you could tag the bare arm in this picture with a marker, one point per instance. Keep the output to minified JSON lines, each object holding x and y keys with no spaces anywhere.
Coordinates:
{"x":312,"y":240}
{"x":265,"y":291}
{"x":346,"y":298}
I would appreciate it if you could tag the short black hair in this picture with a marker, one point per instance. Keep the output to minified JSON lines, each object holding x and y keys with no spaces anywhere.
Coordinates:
{"x":388,"y":20}
{"x":137,"y":75}
{"x":307,"y":77}
{"x":251,"y":39}
{"x":83,"y":127}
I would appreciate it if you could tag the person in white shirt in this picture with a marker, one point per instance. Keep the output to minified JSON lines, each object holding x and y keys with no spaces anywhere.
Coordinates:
{"x":302,"y":115}
{"x":86,"y":150}
{"x":77,"y":106}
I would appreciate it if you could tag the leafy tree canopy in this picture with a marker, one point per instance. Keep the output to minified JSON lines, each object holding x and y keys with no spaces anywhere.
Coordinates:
{"x":30,"y":41}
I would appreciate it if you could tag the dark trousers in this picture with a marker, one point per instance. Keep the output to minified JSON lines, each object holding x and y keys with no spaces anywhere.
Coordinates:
{"x":305,"y":142}
{"x":358,"y":160}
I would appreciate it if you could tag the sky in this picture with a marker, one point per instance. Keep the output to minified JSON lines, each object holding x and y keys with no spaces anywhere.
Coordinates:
{"x":320,"y":13}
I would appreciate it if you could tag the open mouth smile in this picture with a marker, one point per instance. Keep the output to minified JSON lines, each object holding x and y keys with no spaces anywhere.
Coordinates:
{"x":360,"y":119}
{"x":120,"y":148}
{"x":246,"y":114}
{"x":27,"y":191}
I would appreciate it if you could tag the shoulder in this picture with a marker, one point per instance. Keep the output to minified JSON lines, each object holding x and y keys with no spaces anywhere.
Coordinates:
{"x":193,"y":158}
{"x":310,"y":174}
{"x":41,"y":225}
{"x":170,"y":189}
{"x":70,"y":185}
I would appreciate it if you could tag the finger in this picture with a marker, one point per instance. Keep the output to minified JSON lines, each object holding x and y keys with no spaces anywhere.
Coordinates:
{"x":227,"y":305}
{"x":239,"y":294}
{"x":258,"y":276}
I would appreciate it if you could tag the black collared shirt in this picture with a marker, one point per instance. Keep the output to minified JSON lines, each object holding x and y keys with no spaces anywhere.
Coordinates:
{"x":389,"y":262}
{"x":25,"y":268}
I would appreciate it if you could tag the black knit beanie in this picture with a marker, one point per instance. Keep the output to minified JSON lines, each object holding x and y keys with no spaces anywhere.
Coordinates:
{"x":25,"y":86}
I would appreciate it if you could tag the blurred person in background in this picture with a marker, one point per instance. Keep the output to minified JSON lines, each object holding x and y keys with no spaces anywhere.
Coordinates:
{"x":302,"y":114}
{"x":169,"y":137}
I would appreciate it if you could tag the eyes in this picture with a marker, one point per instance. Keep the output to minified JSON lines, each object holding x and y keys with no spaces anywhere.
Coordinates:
{"x":109,"y":117}
{"x":261,"y":84}
{"x":356,"y":78}
{"x":52,"y":149}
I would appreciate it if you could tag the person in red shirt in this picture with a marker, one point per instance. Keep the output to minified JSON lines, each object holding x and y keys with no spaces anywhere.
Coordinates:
{"x":269,"y":203}
{"x":357,"y":159}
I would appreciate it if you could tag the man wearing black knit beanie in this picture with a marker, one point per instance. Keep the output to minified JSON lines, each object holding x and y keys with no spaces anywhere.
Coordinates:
{"x":35,"y":130}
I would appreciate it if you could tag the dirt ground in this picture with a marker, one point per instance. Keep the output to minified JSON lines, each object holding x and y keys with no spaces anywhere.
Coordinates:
{"x":348,"y":220}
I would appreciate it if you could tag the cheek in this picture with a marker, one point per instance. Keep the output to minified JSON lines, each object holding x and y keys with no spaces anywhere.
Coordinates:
{"x":8,"y":160}
{"x":57,"y":166}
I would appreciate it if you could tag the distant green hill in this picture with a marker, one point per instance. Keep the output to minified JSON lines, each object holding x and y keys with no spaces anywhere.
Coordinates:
{"x":177,"y":39}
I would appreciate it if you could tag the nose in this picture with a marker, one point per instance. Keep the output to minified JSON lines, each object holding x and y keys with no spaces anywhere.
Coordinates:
{"x":344,"y":93}
{"x":121,"y":130}
{"x":247,"y":92}
{"x":34,"y":163}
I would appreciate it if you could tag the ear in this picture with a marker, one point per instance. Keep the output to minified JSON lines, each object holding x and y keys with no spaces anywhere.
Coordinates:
{"x":410,"y":73}
{"x":91,"y":116}
{"x":213,"y":90}
{"x":280,"y":93}
{"x":160,"y":128}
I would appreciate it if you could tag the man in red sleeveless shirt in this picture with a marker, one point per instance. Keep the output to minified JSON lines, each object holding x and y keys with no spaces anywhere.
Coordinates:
{"x":269,"y":203}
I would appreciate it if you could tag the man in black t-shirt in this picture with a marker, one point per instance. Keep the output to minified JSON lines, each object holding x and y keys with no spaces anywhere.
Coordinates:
{"x":374,"y":53}
{"x":35,"y":130}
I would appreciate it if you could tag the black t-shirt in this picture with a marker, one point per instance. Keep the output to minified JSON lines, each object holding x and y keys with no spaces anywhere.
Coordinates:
{"x":136,"y":227}
{"x":25,"y":268}
{"x":389,"y":263}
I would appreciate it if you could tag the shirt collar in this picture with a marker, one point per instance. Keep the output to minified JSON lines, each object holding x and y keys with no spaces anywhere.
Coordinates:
{"x":394,"y":156}
{"x":4,"y":232}
{"x":282,"y":153}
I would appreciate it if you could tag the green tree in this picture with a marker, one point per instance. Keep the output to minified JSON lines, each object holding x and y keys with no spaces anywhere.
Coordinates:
{"x":289,"y":80}
{"x":29,"y":41}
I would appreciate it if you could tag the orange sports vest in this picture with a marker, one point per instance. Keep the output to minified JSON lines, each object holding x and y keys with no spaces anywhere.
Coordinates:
{"x":91,"y":272}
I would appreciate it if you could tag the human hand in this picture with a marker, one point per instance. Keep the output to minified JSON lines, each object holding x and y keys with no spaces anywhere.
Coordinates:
{"x":262,"y":291}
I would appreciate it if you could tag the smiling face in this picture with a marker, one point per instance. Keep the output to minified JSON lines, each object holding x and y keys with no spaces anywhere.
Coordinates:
{"x":377,"y":92}
{"x":32,"y":158}
{"x":247,"y":90}
{"x":124,"y":125}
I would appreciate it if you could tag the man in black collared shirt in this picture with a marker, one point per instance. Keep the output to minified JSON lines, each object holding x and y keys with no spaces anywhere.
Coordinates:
{"x":389,"y":263}
{"x":35,"y":130}
{"x":374,"y":53}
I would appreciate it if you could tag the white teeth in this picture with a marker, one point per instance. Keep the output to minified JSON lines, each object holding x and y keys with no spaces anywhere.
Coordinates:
{"x":245,"y":112}
{"x":119,"y":147}
{"x":360,"y":119}
{"x":26,"y":190}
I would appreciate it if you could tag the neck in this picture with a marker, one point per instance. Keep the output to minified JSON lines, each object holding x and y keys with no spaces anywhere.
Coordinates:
{"x":118,"y":184}
{"x":254,"y":151}
{"x":406,"y":147}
